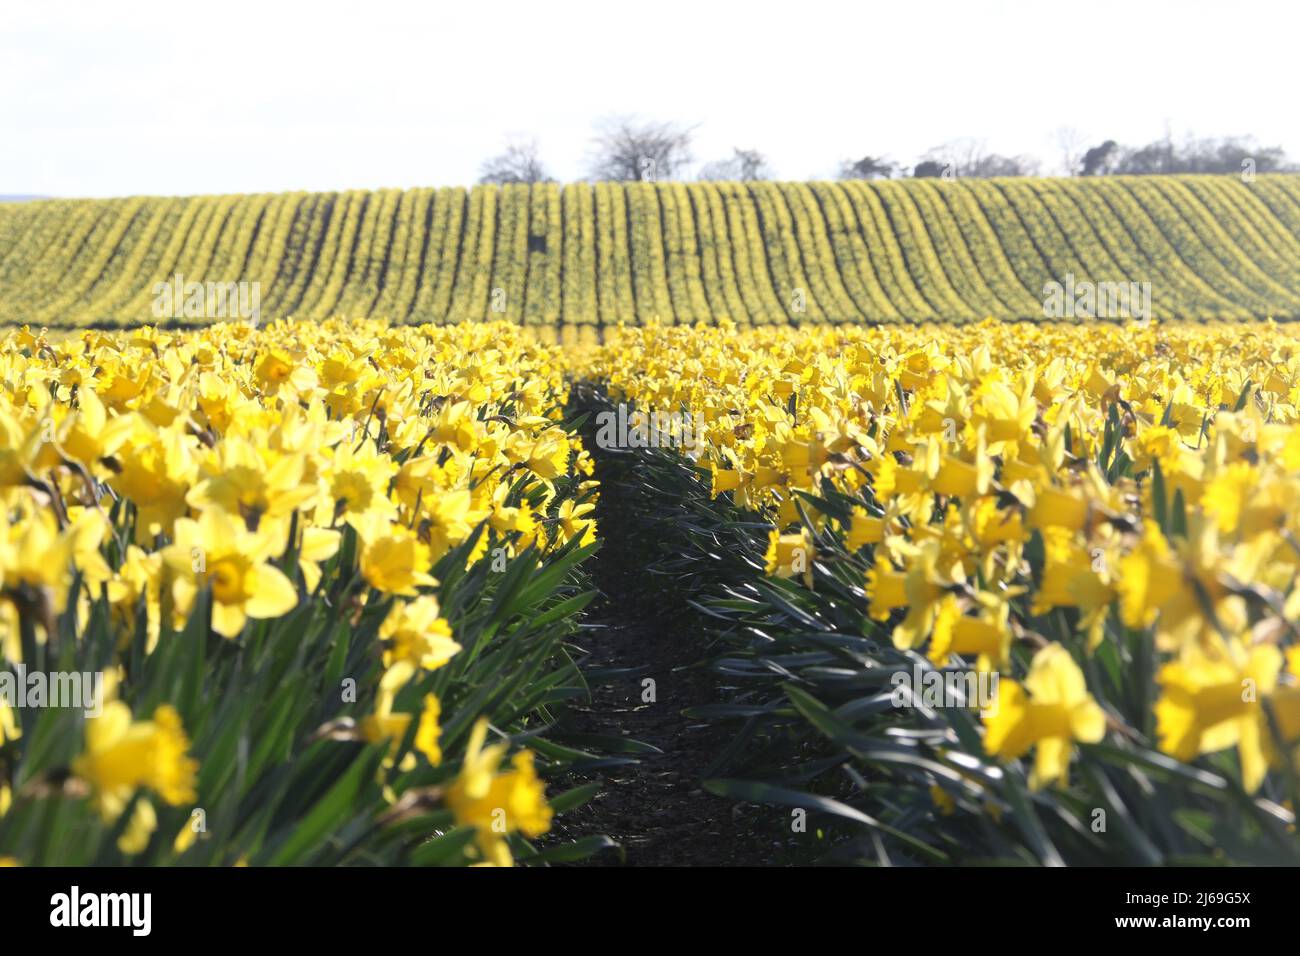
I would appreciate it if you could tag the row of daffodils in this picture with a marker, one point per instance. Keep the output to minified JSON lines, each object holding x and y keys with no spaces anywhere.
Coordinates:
{"x":285,"y":595}
{"x":1029,"y":592}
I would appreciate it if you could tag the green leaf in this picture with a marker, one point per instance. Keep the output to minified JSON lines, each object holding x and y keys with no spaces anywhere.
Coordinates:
{"x":569,"y":852}
{"x":330,"y":811}
{"x":757,"y":792}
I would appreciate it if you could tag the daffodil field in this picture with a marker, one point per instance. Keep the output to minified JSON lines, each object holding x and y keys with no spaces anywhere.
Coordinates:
{"x":974,"y":590}
{"x":1092,"y":527}
{"x":327,"y":572}
{"x":581,"y":257}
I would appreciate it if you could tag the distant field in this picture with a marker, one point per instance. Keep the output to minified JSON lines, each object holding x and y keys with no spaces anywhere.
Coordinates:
{"x":1201,"y":248}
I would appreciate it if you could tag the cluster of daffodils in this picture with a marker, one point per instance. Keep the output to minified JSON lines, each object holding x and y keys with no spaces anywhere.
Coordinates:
{"x":1025,"y":500}
{"x":243,"y":474}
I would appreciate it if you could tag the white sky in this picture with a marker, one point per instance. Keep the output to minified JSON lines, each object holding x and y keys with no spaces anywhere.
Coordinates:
{"x":114,"y":98}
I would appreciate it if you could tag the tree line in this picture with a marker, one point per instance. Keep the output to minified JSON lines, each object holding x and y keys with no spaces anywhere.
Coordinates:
{"x":626,"y":149}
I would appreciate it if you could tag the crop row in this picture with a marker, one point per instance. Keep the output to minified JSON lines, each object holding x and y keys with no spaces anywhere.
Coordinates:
{"x":1198,"y":247}
{"x":298,"y":594}
{"x":994,"y":592}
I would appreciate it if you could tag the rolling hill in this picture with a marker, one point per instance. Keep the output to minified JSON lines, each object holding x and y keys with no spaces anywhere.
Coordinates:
{"x":1191,"y":247}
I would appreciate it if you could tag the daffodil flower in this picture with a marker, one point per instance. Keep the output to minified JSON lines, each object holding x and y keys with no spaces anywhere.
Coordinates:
{"x":217,"y":552}
{"x":122,"y":755}
{"x":387,"y":724}
{"x":1047,"y":713}
{"x":791,"y":555}
{"x":1211,"y":700}
{"x":495,"y":802}
{"x":417,"y":633}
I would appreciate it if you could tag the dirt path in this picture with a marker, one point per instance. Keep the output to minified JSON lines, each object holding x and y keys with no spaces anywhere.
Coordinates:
{"x":641,"y":630}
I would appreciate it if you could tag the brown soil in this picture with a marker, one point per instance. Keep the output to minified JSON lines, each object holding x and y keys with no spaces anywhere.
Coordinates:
{"x":654,"y":808}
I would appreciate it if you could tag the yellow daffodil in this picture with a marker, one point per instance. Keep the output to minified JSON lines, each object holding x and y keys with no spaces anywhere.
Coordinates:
{"x":986,"y":636}
{"x":393,"y":558}
{"x":929,"y":576}
{"x":122,"y":755}
{"x":494,"y":802}
{"x":1210,"y":701}
{"x":217,"y":552}
{"x":386,"y":724}
{"x":791,"y":555}
{"x":416,"y":633}
{"x":577,"y":521}
{"x":1050,"y":711}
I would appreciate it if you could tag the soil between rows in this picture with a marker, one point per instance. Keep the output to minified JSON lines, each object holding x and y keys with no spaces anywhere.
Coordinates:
{"x":639,"y":628}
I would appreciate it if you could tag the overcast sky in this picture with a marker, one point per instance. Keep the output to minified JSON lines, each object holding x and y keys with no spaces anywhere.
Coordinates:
{"x":114,"y":98}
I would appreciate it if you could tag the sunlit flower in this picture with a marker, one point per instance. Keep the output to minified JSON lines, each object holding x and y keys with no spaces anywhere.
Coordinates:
{"x":1211,"y":701}
{"x":123,"y":755}
{"x":495,"y":802}
{"x":416,"y":633}
{"x":1048,"y":712}
{"x":218,"y":553}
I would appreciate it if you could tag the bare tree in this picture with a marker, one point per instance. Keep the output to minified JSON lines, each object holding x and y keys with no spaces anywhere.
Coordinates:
{"x":745,"y":165}
{"x":519,"y":163}
{"x":1071,"y":143}
{"x":970,"y":159}
{"x":1158,"y":157}
{"x":987,"y":167}
{"x":868,"y":167}
{"x":1226,"y":155}
{"x":625,"y":149}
